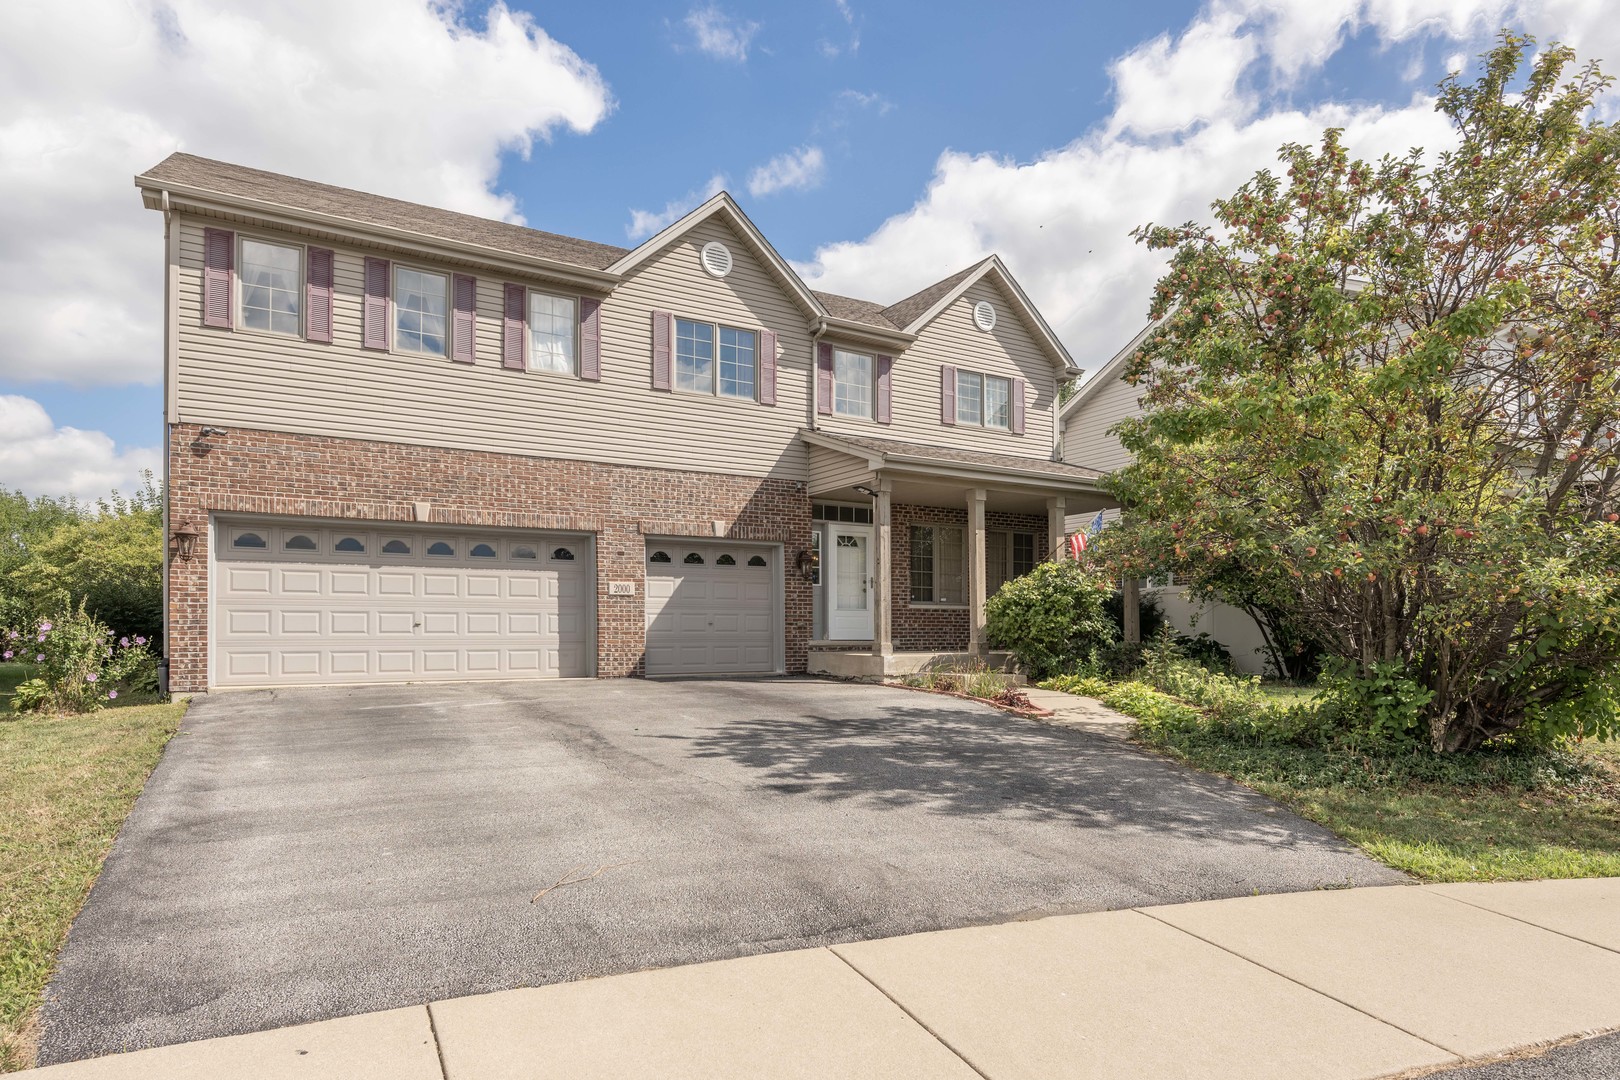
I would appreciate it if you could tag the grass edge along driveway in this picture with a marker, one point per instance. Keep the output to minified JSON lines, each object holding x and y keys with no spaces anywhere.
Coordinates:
{"x":69,"y":783}
{"x":1491,"y":817}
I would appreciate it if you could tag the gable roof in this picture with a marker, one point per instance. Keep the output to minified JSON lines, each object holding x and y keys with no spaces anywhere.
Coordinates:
{"x":852,"y":310}
{"x":1107,"y":373}
{"x":910,"y":309}
{"x":292,"y":193}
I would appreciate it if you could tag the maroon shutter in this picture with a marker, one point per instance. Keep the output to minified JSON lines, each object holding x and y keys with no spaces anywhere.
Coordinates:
{"x":590,"y":339}
{"x":318,"y":296}
{"x":219,"y":248}
{"x":376,"y":304}
{"x":767,"y":367}
{"x":882,"y":410}
{"x":512,"y":327}
{"x":947,"y":394}
{"x":1018,"y":406}
{"x":464,"y":320}
{"x":663,"y":329}
{"x":824,"y":379}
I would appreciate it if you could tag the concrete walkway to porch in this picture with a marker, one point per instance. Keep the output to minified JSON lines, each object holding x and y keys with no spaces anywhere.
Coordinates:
{"x":1368,"y":982}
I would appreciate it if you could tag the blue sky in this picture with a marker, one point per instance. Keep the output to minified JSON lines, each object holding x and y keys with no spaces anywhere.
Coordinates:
{"x":878,"y":145}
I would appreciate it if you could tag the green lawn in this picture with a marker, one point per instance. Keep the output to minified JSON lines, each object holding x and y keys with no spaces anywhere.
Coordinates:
{"x":1484,"y":817}
{"x":69,"y":784}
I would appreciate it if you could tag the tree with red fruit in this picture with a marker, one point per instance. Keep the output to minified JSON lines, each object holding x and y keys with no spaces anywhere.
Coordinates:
{"x":1382,"y":398}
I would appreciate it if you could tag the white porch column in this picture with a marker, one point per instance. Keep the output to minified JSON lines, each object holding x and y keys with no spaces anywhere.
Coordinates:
{"x":883,"y":555}
{"x":975,"y":554}
{"x":1056,"y":533}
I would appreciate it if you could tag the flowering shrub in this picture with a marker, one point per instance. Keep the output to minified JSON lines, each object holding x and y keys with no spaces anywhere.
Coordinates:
{"x":80,"y":666}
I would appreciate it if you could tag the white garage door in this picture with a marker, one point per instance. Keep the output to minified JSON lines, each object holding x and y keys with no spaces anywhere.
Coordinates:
{"x":711,"y":608}
{"x":317,"y":603}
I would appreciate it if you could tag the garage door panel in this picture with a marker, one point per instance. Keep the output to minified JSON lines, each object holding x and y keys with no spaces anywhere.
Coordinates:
{"x":350,"y":623}
{"x":370,"y":616}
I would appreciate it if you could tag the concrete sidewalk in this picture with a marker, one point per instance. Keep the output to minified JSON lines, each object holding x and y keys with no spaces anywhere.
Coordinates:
{"x":1365,"y":982}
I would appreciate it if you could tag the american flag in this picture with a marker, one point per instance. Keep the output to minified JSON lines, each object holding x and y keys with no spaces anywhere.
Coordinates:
{"x":1079,"y":542}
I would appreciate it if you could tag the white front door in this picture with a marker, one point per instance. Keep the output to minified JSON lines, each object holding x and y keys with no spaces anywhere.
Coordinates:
{"x":849,"y":573}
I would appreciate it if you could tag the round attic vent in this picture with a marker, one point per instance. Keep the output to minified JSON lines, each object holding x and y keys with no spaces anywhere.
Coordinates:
{"x":984,"y":316}
{"x":716,"y":258}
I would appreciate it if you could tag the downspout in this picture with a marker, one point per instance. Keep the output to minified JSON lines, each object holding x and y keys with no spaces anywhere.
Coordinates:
{"x":169,"y":262}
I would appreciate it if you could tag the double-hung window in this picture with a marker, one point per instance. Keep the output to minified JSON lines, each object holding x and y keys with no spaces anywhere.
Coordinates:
{"x":272,"y":287}
{"x":715,"y":359}
{"x":852,"y":384}
{"x":937,"y":565}
{"x":552,"y":325}
{"x":985,"y":400}
{"x":1007,"y":555}
{"x":420,"y":301}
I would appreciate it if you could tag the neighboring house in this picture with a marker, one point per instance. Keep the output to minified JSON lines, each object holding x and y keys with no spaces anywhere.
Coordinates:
{"x":408,"y":444}
{"x":1086,"y":425}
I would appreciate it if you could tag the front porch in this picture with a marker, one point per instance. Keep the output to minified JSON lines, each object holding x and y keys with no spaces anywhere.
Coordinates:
{"x":911,"y":539}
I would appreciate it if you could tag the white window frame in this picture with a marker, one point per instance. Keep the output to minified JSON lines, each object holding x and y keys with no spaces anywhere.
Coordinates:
{"x":981,"y":400}
{"x":242,"y":240}
{"x":529,"y":351}
{"x":937,"y":570}
{"x":714,"y":390}
{"x":393,"y":310}
{"x":871,"y":384}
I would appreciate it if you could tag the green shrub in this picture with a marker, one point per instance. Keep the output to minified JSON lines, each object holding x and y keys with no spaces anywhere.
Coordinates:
{"x":1084,"y":685}
{"x":81,"y":667}
{"x":1052,"y":618}
{"x":1152,"y":707}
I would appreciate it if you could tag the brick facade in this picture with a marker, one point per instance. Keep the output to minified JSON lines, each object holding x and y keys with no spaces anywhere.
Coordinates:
{"x":263,"y":472}
{"x":945,"y":629}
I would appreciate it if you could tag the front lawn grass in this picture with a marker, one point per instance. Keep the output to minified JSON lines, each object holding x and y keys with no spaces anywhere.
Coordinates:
{"x":69,"y":784}
{"x":1490,"y":816}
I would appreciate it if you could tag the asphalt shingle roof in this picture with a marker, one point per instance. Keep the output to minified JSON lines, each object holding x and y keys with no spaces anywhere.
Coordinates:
{"x":885,"y":447}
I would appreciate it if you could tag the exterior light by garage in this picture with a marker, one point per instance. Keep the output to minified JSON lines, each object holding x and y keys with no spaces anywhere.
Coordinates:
{"x":183,"y":540}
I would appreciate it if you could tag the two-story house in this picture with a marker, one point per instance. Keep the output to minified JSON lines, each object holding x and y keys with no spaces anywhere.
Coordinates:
{"x":406,"y":444}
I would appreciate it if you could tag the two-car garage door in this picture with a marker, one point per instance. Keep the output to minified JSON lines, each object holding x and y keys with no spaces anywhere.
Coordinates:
{"x":321,"y":603}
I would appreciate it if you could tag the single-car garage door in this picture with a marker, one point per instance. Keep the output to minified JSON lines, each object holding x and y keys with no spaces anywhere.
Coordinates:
{"x":711,"y":608}
{"x":320,"y":603}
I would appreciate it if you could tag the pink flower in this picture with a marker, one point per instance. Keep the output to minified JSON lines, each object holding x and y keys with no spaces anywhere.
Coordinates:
{"x":8,"y":654}
{"x":40,"y":659}
{"x":44,"y":627}
{"x":111,"y":694}
{"x":140,"y":641}
{"x":42,"y":637}
{"x":90,"y":677}
{"x":124,"y":641}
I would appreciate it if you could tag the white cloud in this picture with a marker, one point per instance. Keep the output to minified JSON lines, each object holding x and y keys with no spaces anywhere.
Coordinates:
{"x":423,"y":111}
{"x":1177,"y":139}
{"x":643,"y":223}
{"x":39,"y":458}
{"x":832,"y":49}
{"x":873,"y":100}
{"x":720,"y":35}
{"x":796,"y":170}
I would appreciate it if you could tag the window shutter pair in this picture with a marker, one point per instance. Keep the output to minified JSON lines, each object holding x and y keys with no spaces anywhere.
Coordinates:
{"x":515,"y":338}
{"x":883,"y":408}
{"x":947,"y":400}
{"x":663,"y":357}
{"x":219,"y":265}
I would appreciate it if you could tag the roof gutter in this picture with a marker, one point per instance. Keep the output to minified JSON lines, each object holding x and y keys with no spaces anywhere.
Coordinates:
{"x":277,"y":213}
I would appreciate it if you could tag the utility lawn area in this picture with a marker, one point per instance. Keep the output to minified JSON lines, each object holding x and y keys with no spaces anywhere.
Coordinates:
{"x":1490,"y":816}
{"x":69,"y":783}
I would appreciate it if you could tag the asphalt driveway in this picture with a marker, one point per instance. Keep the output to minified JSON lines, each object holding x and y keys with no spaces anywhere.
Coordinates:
{"x":305,"y":854}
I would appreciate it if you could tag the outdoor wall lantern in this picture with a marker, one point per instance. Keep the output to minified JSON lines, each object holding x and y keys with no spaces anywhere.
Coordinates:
{"x":806,"y":563}
{"x":184,"y":539}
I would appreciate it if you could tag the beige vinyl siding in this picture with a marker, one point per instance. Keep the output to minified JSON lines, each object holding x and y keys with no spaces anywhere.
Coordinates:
{"x":1009,"y":350}
{"x":1086,"y":438}
{"x":830,"y":470}
{"x":246,"y":379}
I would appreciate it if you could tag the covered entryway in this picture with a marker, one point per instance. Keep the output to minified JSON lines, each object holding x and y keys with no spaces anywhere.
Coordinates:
{"x":712,"y":608}
{"x":318,"y":602}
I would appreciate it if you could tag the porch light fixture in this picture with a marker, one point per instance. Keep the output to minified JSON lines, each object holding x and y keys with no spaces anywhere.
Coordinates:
{"x":864,"y":490}
{"x":806,"y":564}
{"x":184,"y":539}
{"x":200,"y":445}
